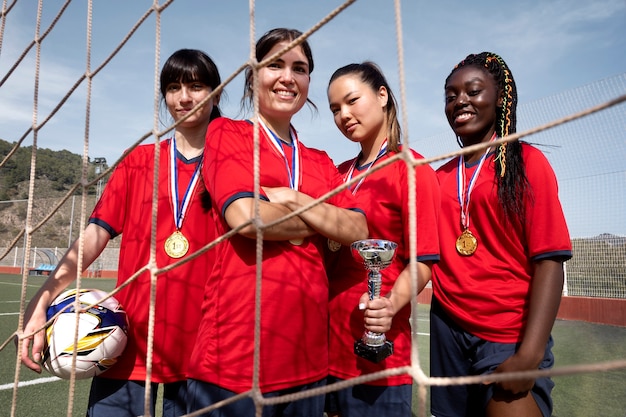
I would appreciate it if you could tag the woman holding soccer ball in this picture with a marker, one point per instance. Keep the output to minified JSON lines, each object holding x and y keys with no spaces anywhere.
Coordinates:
{"x":183,"y":227}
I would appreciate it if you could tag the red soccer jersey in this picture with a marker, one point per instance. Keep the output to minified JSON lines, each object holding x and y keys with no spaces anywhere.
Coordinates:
{"x":487,"y":293}
{"x":126,"y":208}
{"x":294,"y":293}
{"x":384,"y":196}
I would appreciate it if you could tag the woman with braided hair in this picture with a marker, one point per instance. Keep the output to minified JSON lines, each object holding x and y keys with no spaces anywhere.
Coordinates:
{"x":497,"y":287}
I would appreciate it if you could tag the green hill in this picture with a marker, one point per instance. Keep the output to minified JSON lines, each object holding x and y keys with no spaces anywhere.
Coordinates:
{"x":56,"y":172}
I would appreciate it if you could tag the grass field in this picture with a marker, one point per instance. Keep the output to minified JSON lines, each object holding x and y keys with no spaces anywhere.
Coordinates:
{"x":583,"y":395}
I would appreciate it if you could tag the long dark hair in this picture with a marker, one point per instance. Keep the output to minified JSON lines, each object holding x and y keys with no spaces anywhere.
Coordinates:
{"x":263,"y":46}
{"x":371,"y":74}
{"x":187,"y":65}
{"x":510,"y":170}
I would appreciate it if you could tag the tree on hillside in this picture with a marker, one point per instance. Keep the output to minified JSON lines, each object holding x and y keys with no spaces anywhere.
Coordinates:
{"x":63,"y":168}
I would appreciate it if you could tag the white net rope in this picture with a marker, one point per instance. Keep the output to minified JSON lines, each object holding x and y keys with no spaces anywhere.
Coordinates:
{"x":32,"y":225}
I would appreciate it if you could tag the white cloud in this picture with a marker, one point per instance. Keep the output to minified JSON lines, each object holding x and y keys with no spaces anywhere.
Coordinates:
{"x":540,"y":40}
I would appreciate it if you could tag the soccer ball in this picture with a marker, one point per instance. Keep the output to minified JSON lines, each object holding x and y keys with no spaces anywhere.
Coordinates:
{"x":101,"y":334}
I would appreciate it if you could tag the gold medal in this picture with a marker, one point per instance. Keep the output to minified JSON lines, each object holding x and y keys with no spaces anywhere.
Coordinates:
{"x":333,"y":245}
{"x":466,"y":243}
{"x":296,"y":242}
{"x":177,"y":245}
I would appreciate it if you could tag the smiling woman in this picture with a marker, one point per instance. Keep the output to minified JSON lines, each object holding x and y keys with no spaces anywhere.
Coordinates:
{"x":504,"y":240}
{"x":294,"y":298}
{"x":472,"y":101}
{"x":557,"y":49}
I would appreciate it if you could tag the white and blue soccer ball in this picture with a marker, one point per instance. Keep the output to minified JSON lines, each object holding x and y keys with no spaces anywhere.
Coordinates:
{"x":102,"y":334}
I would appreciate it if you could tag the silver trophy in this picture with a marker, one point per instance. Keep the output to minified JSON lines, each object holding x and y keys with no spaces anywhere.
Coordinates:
{"x":375,"y":254}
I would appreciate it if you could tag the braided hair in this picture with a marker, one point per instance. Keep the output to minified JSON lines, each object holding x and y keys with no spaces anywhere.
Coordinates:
{"x":510,"y":171}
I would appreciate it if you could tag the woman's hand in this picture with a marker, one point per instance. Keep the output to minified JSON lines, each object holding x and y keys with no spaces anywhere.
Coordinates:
{"x":378,"y":313}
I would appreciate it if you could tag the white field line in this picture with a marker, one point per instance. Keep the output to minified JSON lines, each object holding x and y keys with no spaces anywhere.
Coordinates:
{"x":10,"y":302}
{"x":21,"y":384}
{"x":18,"y":284}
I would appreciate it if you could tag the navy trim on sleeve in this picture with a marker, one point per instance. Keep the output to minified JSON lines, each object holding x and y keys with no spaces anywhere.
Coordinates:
{"x":358,"y":210}
{"x":561,"y":256}
{"x":105,"y":226}
{"x":237,"y":197}
{"x":428,"y":258}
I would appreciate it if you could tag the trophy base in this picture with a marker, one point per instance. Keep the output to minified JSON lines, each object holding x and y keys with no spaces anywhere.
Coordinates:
{"x":373,"y":353}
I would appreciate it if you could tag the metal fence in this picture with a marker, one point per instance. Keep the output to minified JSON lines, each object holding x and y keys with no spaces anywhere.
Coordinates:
{"x":588,"y":156}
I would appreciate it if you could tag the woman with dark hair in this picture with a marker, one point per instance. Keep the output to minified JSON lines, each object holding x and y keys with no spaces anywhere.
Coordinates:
{"x":293,"y":339}
{"x":183,"y":227}
{"x":365,"y":111}
{"x":503,"y":239}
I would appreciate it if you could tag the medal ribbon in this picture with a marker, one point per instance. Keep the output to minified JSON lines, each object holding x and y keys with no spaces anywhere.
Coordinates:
{"x":294,"y":171}
{"x":463,"y":194}
{"x":382,"y":151}
{"x":179,"y":209}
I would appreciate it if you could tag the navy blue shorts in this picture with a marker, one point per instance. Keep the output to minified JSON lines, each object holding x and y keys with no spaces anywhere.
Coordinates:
{"x":202,"y":394}
{"x":122,"y":398}
{"x":370,"y":400}
{"x":454,"y":352}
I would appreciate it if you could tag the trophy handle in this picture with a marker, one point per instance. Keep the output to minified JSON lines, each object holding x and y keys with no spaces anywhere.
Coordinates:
{"x":375,"y":254}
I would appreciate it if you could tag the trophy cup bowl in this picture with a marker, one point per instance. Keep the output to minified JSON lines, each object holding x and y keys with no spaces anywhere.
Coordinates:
{"x":375,"y":255}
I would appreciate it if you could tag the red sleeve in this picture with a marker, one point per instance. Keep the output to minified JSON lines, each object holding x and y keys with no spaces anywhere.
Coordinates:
{"x":228,"y":154}
{"x":545,"y":228}
{"x":110,"y":211}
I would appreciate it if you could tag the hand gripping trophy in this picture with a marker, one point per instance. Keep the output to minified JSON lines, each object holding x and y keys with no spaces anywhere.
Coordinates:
{"x":376,"y":254}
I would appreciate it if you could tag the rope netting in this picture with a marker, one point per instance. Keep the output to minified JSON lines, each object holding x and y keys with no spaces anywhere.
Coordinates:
{"x":85,"y":80}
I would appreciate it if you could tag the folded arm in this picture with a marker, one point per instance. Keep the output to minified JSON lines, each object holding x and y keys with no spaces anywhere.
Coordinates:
{"x":336,"y":223}
{"x":241,"y":211}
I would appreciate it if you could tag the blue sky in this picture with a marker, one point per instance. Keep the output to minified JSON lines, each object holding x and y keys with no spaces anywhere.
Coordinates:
{"x":551,"y":46}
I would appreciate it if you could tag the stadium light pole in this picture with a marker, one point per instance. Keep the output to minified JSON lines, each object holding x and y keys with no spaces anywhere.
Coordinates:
{"x":99,"y":165}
